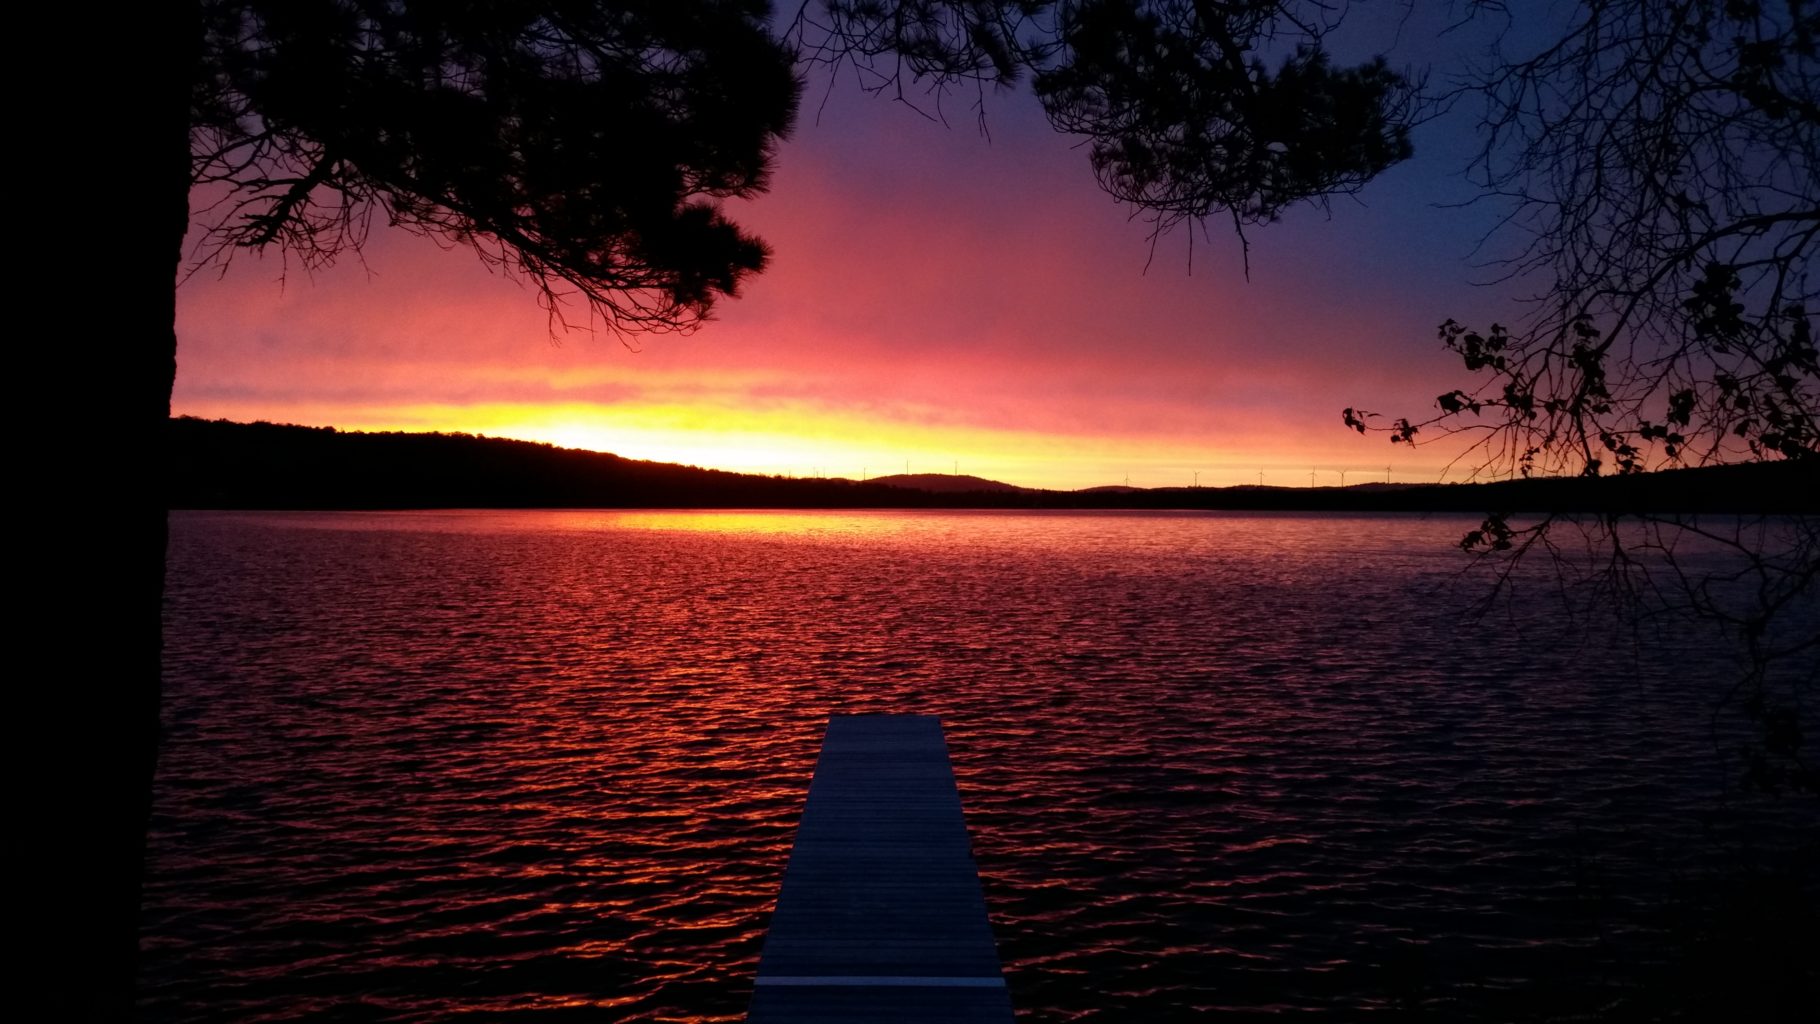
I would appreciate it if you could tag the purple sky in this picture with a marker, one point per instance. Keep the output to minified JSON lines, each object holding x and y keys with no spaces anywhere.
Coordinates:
{"x":936,"y":297}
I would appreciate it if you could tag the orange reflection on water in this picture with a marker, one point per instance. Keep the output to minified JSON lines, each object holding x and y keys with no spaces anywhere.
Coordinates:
{"x":503,"y":762}
{"x":759,"y":522}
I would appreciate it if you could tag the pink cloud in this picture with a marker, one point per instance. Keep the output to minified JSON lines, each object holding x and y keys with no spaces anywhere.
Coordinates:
{"x":924,"y":278}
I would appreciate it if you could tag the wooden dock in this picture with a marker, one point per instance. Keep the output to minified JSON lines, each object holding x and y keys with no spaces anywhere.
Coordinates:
{"x":881,"y":917}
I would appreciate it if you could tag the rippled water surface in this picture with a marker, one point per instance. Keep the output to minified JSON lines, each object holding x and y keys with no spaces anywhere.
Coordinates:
{"x":547,"y":765}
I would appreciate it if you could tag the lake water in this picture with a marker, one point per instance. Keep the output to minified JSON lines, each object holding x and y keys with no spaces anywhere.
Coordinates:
{"x":547,"y":765}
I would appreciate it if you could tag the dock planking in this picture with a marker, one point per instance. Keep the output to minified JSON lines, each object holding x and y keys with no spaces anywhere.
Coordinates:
{"x":881,"y":917}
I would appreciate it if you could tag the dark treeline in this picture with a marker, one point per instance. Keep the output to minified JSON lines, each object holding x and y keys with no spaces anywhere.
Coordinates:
{"x":220,"y":464}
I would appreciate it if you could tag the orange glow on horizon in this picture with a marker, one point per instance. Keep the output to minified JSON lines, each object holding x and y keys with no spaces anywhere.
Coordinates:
{"x":799,"y":440}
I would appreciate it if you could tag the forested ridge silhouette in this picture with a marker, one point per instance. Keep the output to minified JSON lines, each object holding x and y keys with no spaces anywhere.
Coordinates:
{"x":223,"y":464}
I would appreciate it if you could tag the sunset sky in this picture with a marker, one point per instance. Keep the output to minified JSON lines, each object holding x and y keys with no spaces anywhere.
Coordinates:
{"x":937,"y":297}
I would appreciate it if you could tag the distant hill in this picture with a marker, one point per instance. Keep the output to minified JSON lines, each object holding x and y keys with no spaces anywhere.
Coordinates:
{"x":944,"y":483}
{"x":220,"y":464}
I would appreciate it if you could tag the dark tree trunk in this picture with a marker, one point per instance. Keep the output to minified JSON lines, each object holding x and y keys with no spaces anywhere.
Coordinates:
{"x":88,"y":746}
